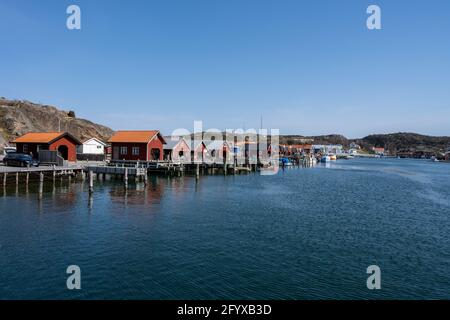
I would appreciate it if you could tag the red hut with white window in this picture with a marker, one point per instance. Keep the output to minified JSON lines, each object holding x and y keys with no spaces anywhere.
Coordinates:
{"x":137,"y":145}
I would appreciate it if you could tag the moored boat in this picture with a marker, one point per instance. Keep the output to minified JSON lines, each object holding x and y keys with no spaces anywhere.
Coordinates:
{"x":325,"y":159}
{"x":285,"y":162}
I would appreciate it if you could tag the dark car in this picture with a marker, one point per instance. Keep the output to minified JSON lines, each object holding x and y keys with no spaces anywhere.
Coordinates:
{"x":20,"y":160}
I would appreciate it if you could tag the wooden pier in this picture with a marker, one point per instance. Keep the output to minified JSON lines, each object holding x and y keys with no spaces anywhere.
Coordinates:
{"x":137,"y":171}
{"x":103,"y":170}
{"x":25,"y":175}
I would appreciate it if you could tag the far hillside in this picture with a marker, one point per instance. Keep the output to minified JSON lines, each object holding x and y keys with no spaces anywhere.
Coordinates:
{"x":393,"y":142}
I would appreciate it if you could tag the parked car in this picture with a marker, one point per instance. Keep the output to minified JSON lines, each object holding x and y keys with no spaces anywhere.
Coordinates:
{"x":20,"y":160}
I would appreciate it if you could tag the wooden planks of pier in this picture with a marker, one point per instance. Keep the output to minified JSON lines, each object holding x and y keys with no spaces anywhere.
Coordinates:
{"x":123,"y":172}
{"x":130,"y":171}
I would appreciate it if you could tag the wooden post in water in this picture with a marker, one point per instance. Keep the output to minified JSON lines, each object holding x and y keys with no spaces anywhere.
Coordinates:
{"x":27,"y":178}
{"x":17,"y":178}
{"x":197,"y":171}
{"x":125,"y":177}
{"x":41,"y":185}
{"x":5,"y":177}
{"x":90,"y":201}
{"x":91,"y":182}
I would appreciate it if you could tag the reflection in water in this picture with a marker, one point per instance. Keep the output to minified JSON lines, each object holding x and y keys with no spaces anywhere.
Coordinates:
{"x":137,"y":194}
{"x":64,"y":193}
{"x":61,"y":195}
{"x":243,"y":236}
{"x":90,"y":203}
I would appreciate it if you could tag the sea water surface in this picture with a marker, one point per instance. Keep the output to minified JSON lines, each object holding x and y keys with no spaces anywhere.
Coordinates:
{"x":302,"y":234}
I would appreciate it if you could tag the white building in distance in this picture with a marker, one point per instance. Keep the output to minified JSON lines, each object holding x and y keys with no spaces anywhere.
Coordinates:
{"x":92,"y":146}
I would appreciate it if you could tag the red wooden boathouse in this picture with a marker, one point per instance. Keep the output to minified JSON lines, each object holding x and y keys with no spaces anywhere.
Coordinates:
{"x":63,"y":142}
{"x":137,"y":145}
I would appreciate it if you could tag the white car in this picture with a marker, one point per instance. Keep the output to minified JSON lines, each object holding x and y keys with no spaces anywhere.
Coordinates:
{"x":8,"y":150}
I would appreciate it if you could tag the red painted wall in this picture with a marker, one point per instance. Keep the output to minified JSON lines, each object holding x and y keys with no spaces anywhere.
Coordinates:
{"x":155,"y":144}
{"x":145,"y":150}
{"x":64,"y":141}
{"x":69,"y":143}
{"x":129,"y":156}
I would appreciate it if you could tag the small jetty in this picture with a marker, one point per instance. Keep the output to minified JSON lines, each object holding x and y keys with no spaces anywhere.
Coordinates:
{"x":137,"y":171}
{"x":25,"y":175}
{"x":116,"y":171}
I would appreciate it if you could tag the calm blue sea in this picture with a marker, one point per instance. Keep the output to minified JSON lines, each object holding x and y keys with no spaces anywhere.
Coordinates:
{"x":302,"y":234}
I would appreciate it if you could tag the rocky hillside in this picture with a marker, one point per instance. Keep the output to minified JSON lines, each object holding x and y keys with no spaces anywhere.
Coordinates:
{"x":19,"y":117}
{"x":406,"y":141}
{"x":326,"y":139}
{"x":393,"y":142}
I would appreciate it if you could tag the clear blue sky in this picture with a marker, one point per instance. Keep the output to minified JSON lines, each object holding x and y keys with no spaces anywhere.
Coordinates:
{"x":308,"y":67}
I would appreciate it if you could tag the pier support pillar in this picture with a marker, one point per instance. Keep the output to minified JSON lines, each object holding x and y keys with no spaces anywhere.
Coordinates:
{"x":5,"y":177}
{"x":91,"y":182}
{"x":125,"y":177}
{"x":41,"y":185}
{"x":197,"y":171}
